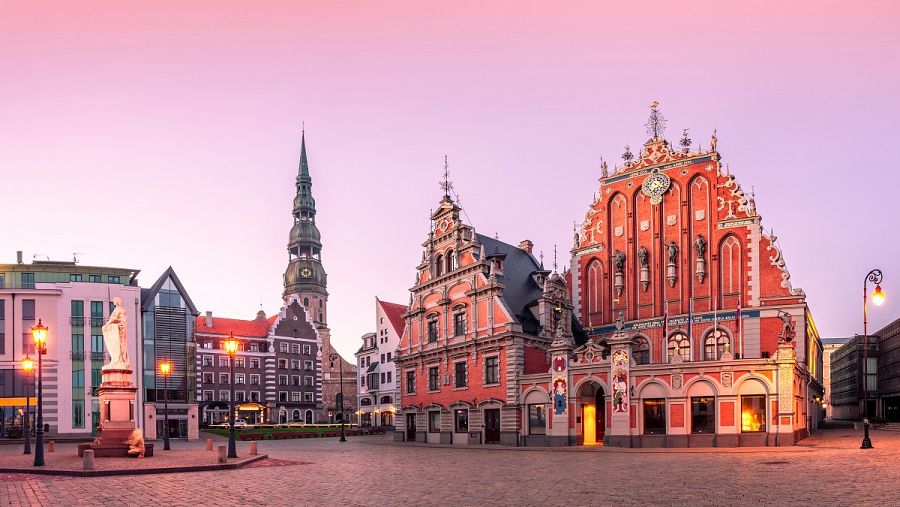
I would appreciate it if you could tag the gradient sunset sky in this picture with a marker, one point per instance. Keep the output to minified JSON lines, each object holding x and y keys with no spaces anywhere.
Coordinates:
{"x":174,"y":128}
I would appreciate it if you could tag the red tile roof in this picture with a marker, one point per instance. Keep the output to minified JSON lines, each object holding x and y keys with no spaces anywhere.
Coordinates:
{"x":240,"y":327}
{"x":395,"y":315}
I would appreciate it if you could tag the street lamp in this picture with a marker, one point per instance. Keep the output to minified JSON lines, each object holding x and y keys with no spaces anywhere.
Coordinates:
{"x":340,"y":402}
{"x":231,"y":346}
{"x":27,"y":368}
{"x":165,"y":367}
{"x":39,"y":333}
{"x":875,"y":277}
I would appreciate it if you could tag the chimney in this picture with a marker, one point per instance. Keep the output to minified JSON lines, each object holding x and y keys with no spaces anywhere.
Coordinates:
{"x":209,"y":319}
{"x":526,"y":245}
{"x":18,"y":257}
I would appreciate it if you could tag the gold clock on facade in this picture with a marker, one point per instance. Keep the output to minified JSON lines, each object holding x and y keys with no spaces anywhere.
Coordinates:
{"x":655,"y":185}
{"x":306,"y":272}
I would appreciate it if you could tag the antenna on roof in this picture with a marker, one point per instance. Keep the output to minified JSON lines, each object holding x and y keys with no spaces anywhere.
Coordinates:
{"x":497,"y":235}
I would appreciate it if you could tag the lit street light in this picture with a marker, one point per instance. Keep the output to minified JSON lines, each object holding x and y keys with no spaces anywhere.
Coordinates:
{"x":231,"y":347}
{"x":39,"y":333}
{"x":875,"y":277}
{"x":27,"y":369}
{"x":164,"y":368}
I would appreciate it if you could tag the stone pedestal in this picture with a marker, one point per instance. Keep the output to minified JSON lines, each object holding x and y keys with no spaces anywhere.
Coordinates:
{"x":117,"y":412}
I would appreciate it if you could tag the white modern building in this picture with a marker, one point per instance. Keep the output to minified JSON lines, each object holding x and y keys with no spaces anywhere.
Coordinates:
{"x":73,"y":301}
{"x":377,"y":383}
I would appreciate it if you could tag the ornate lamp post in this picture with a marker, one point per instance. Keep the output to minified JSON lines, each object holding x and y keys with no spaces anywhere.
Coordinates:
{"x":39,"y":333}
{"x":165,"y":367}
{"x":27,"y":368}
{"x":231,"y":346}
{"x":875,"y":277}
{"x":334,"y":356}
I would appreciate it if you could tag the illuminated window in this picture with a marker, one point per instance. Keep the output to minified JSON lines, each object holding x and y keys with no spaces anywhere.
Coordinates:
{"x":753,"y":413}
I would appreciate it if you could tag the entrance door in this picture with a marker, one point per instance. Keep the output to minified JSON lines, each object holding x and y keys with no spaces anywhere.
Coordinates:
{"x":410,"y":427}
{"x":492,"y":426}
{"x":601,"y":415}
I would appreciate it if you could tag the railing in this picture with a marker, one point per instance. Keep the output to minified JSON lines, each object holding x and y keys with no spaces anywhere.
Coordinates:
{"x":77,"y":355}
{"x":97,"y":356}
{"x":97,"y":322}
{"x":77,"y":320}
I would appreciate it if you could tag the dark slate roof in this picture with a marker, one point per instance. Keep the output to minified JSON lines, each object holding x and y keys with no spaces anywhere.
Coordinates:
{"x":148,"y":295}
{"x":520,"y":288}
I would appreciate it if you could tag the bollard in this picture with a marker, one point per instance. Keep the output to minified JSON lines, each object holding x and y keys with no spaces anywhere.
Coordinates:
{"x":220,"y":455}
{"x":88,"y":459}
{"x":208,"y":444}
{"x":252,"y":450}
{"x":51,"y":447}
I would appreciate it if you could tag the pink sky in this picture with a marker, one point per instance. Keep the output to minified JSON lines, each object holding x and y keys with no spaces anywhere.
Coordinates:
{"x":180,"y":121}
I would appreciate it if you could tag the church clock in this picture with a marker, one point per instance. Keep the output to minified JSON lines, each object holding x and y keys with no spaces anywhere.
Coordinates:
{"x":655,"y":185}
{"x":306,"y":273}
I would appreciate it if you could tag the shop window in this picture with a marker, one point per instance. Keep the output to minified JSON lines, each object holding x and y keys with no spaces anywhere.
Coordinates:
{"x":434,"y":422}
{"x":655,"y":416}
{"x":753,"y":413}
{"x":703,"y":414}
{"x":537,"y":419}
{"x":461,"y":420}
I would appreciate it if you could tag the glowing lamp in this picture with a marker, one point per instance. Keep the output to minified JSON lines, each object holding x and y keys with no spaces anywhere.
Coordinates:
{"x":39,"y":333}
{"x":165,"y":367}
{"x":878,"y":296}
{"x":27,"y":364}
{"x":231,"y":345}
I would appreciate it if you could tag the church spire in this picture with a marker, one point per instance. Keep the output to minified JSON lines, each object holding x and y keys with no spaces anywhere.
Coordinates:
{"x":305,"y":276}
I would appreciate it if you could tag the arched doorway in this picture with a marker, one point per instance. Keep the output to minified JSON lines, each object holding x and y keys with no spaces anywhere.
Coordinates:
{"x":593,"y":413}
{"x":309,"y":417}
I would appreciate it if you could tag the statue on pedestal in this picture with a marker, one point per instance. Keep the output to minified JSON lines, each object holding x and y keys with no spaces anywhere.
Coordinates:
{"x":115,"y":338}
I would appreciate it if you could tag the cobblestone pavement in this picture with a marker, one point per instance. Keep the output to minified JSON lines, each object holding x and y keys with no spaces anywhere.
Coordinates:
{"x":828,"y":469}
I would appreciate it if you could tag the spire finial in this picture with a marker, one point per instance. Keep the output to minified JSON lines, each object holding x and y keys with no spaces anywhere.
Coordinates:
{"x":446,"y":184}
{"x":542,"y":259}
{"x":554,"y":258}
{"x":656,"y":125}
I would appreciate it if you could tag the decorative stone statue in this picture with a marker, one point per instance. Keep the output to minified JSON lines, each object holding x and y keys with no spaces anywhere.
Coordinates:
{"x":673,"y":253}
{"x":135,"y":443}
{"x":115,"y":338}
{"x":620,"y":320}
{"x":604,"y":169}
{"x":642,"y":256}
{"x":645,"y":268}
{"x":713,"y":142}
{"x":619,"y":260}
{"x":700,"y":245}
{"x":787,"y":326}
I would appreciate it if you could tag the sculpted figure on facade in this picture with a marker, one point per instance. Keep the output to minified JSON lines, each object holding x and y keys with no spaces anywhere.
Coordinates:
{"x":619,"y":261}
{"x":115,"y":338}
{"x":673,"y":253}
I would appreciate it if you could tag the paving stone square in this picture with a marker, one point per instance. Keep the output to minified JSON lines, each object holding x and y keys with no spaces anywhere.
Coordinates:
{"x":827,"y":469}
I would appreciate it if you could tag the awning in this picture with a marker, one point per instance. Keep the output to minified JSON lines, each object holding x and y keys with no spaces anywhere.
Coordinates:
{"x":372,"y":368}
{"x":17,"y":402}
{"x":248,"y":407}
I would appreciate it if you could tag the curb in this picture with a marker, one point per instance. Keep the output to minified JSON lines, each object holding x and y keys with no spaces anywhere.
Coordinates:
{"x":137,"y":471}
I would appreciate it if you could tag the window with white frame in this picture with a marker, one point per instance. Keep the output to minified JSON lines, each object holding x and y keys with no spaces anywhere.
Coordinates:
{"x":308,"y":397}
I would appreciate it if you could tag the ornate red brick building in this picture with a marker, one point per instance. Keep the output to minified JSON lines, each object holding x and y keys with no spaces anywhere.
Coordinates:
{"x":697,"y":337}
{"x":481,"y":314}
{"x":686,"y":329}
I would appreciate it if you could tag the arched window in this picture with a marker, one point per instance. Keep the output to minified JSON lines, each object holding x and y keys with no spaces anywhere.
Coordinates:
{"x":452,"y":261}
{"x":309,"y":417}
{"x":386,"y":400}
{"x":593,"y":287}
{"x":306,"y":302}
{"x":716,"y":344}
{"x":679,"y":345}
{"x":730,"y":268}
{"x":365,"y":402}
{"x":295,"y":416}
{"x":439,"y":265}
{"x":642,"y":351}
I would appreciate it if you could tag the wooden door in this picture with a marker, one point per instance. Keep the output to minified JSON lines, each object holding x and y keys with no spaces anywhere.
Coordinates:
{"x":492,"y":426}
{"x":410,"y":427}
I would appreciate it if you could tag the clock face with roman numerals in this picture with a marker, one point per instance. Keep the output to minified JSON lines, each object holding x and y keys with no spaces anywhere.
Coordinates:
{"x":655,"y":185}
